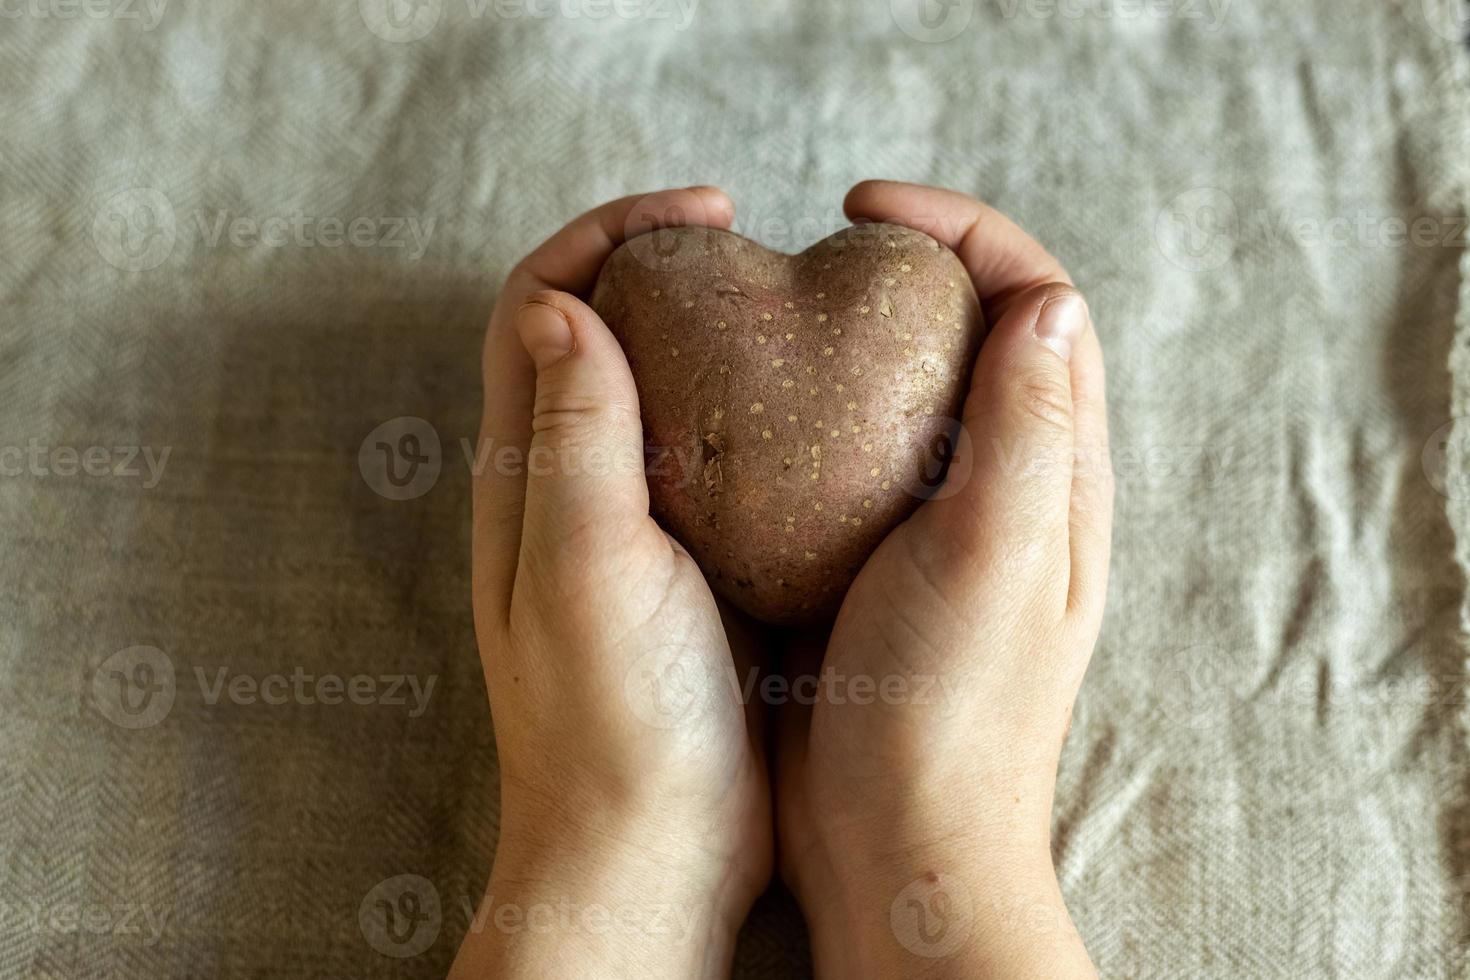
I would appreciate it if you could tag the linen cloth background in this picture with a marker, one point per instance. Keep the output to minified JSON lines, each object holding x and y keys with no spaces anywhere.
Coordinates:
{"x":1267,"y":775}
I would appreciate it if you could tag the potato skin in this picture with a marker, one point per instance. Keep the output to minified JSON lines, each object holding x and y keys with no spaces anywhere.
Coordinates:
{"x":794,"y":407}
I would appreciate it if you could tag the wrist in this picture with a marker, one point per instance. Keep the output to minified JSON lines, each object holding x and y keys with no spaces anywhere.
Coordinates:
{"x":939,"y":913}
{"x":937,"y":891}
{"x":612,"y":899}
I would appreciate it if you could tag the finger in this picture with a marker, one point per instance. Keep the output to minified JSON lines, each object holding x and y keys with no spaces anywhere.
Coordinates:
{"x":1013,"y":510}
{"x":569,"y":261}
{"x":505,"y":435}
{"x":1003,"y":261}
{"x":585,"y":485}
{"x":1090,"y":524}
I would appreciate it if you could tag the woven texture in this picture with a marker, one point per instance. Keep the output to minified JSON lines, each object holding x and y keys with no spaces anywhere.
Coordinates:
{"x":1267,"y":775}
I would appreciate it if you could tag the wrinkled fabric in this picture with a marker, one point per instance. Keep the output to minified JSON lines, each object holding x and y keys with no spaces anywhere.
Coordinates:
{"x":250,"y":251}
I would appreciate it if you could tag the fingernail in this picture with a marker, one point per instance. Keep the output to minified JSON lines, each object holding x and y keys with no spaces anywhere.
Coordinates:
{"x":1060,"y":323}
{"x":545,"y":332}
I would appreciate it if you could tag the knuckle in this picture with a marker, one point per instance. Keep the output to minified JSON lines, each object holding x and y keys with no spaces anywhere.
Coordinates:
{"x":561,"y":411}
{"x":565,"y":413}
{"x":1045,"y":398}
{"x":550,"y":297}
{"x":521,"y":285}
{"x":581,"y":435}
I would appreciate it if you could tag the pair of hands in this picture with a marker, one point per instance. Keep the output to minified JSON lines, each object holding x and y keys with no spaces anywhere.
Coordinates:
{"x":914,"y":830}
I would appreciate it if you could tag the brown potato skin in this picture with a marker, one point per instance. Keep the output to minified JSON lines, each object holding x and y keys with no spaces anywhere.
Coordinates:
{"x":866,"y":339}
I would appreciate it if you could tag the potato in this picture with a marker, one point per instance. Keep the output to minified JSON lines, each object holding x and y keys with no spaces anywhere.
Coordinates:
{"x":795,"y":408}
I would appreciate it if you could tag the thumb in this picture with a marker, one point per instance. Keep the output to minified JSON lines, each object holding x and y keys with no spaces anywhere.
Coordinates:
{"x":584,"y":468}
{"x":1019,"y":421}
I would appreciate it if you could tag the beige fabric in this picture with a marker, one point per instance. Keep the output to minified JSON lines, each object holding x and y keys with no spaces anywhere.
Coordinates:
{"x":1267,"y":775}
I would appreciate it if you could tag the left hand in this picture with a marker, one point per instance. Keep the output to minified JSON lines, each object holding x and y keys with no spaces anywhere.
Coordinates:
{"x":915,"y":830}
{"x":619,"y":792}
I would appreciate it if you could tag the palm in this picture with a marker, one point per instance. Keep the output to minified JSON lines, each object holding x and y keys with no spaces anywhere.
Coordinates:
{"x":846,"y":750}
{"x":687,"y":686}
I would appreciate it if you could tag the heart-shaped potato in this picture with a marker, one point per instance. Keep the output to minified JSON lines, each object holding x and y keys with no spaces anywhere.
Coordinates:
{"x":795,"y":407}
